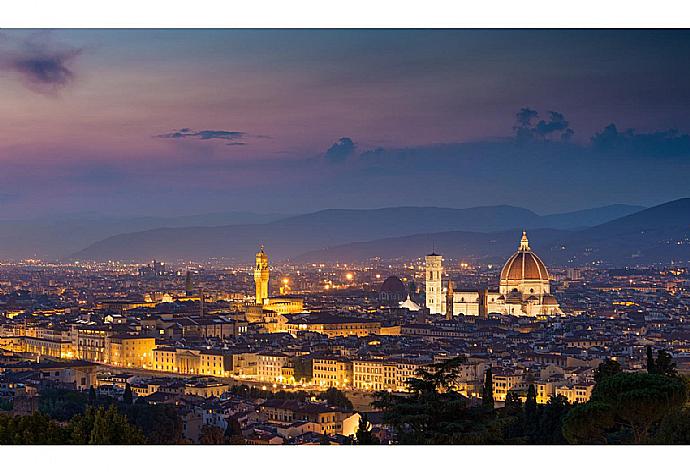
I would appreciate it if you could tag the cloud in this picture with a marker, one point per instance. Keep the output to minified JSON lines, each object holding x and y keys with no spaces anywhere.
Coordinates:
{"x":340,"y":150}
{"x":527,"y":128}
{"x":204,"y":135}
{"x":667,"y":143}
{"x":43,"y":68}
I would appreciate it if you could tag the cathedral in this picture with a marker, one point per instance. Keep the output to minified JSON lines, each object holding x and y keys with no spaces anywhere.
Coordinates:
{"x":523,"y":290}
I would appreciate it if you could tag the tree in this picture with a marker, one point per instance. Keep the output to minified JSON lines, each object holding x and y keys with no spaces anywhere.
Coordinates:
{"x":434,"y":412}
{"x":233,"y":433}
{"x":513,"y":403}
{"x":37,"y":428}
{"x":588,"y":423}
{"x":531,"y":401}
{"x":364,"y":435}
{"x":674,"y":429}
{"x":211,"y":435}
{"x":324,"y":441}
{"x":531,"y":413}
{"x":488,"y":391}
{"x":651,"y":368}
{"x":664,"y":364}
{"x":551,"y":421}
{"x":101,"y":426}
{"x":127,"y":396}
{"x":62,"y":405}
{"x":161,"y":424}
{"x":640,"y":401}
{"x":336,"y":398}
{"x":606,"y":369}
{"x":303,"y":368}
{"x":92,"y":395}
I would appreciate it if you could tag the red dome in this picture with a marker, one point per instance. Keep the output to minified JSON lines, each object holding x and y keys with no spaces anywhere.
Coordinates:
{"x":524,"y":265}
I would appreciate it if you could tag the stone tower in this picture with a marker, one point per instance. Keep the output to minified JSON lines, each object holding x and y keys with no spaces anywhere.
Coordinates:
{"x":261,"y":273}
{"x":188,"y":285}
{"x":434,"y":292}
{"x":449,"y":301}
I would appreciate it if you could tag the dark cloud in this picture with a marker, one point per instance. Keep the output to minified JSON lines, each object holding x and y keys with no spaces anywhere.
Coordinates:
{"x":340,"y":150}
{"x":525,"y":116}
{"x":528,"y":126}
{"x":668,"y":143}
{"x":42,"y":68}
{"x":184,"y":133}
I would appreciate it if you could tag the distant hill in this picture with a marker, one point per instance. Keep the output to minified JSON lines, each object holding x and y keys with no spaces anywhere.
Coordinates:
{"x":56,"y":237}
{"x":472,"y":247}
{"x":658,"y":234}
{"x":296,"y":235}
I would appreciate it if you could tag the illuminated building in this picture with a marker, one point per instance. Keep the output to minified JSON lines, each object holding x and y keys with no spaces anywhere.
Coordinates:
{"x":284,"y":305}
{"x":332,"y":326}
{"x":273,"y":367}
{"x":192,"y":361}
{"x":375,"y":374}
{"x":88,"y":342}
{"x":524,"y":289}
{"x":261,"y":274}
{"x":206,"y":389}
{"x":125,"y":350}
{"x":578,"y":393}
{"x":49,"y":347}
{"x":434,"y":293}
{"x":409,"y":304}
{"x":326,"y":420}
{"x":505,"y":381}
{"x":332,"y":372}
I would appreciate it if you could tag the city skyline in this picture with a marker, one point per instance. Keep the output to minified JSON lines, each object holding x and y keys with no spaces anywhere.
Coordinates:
{"x":177,"y":122}
{"x":348,"y":237}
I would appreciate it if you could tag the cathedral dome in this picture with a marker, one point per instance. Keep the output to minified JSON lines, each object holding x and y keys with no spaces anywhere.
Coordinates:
{"x":393,"y":285}
{"x":524,"y":265}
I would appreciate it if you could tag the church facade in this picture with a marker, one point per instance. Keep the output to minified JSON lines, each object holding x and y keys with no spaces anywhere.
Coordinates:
{"x":524,"y":290}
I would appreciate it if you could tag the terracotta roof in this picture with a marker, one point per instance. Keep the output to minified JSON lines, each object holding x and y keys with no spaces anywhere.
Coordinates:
{"x":524,"y":265}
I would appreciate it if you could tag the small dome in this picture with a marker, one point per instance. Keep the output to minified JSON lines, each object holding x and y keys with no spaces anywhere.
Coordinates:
{"x":393,"y":285}
{"x":409,"y":304}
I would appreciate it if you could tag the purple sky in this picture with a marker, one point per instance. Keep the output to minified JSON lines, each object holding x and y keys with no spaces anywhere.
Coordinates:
{"x":190,"y":121}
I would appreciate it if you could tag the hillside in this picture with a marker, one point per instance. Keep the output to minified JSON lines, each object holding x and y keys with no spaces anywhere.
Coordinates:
{"x":656,"y":235}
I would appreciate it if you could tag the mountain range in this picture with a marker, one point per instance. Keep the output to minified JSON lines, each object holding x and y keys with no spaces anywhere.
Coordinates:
{"x":332,"y":234}
{"x":655,"y":235}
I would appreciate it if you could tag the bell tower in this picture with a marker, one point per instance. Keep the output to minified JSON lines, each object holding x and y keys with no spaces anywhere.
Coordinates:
{"x":261,"y":273}
{"x":434,"y":292}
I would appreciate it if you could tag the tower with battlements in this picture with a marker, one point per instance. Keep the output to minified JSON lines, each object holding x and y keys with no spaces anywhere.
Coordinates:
{"x":261,"y":273}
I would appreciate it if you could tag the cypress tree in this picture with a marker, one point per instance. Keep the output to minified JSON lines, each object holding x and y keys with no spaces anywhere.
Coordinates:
{"x":531,"y":416}
{"x":651,"y":367}
{"x":488,"y":391}
{"x":127,"y":396}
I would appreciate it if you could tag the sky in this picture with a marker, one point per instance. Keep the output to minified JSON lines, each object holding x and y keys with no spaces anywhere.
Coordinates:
{"x":175,"y":122}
